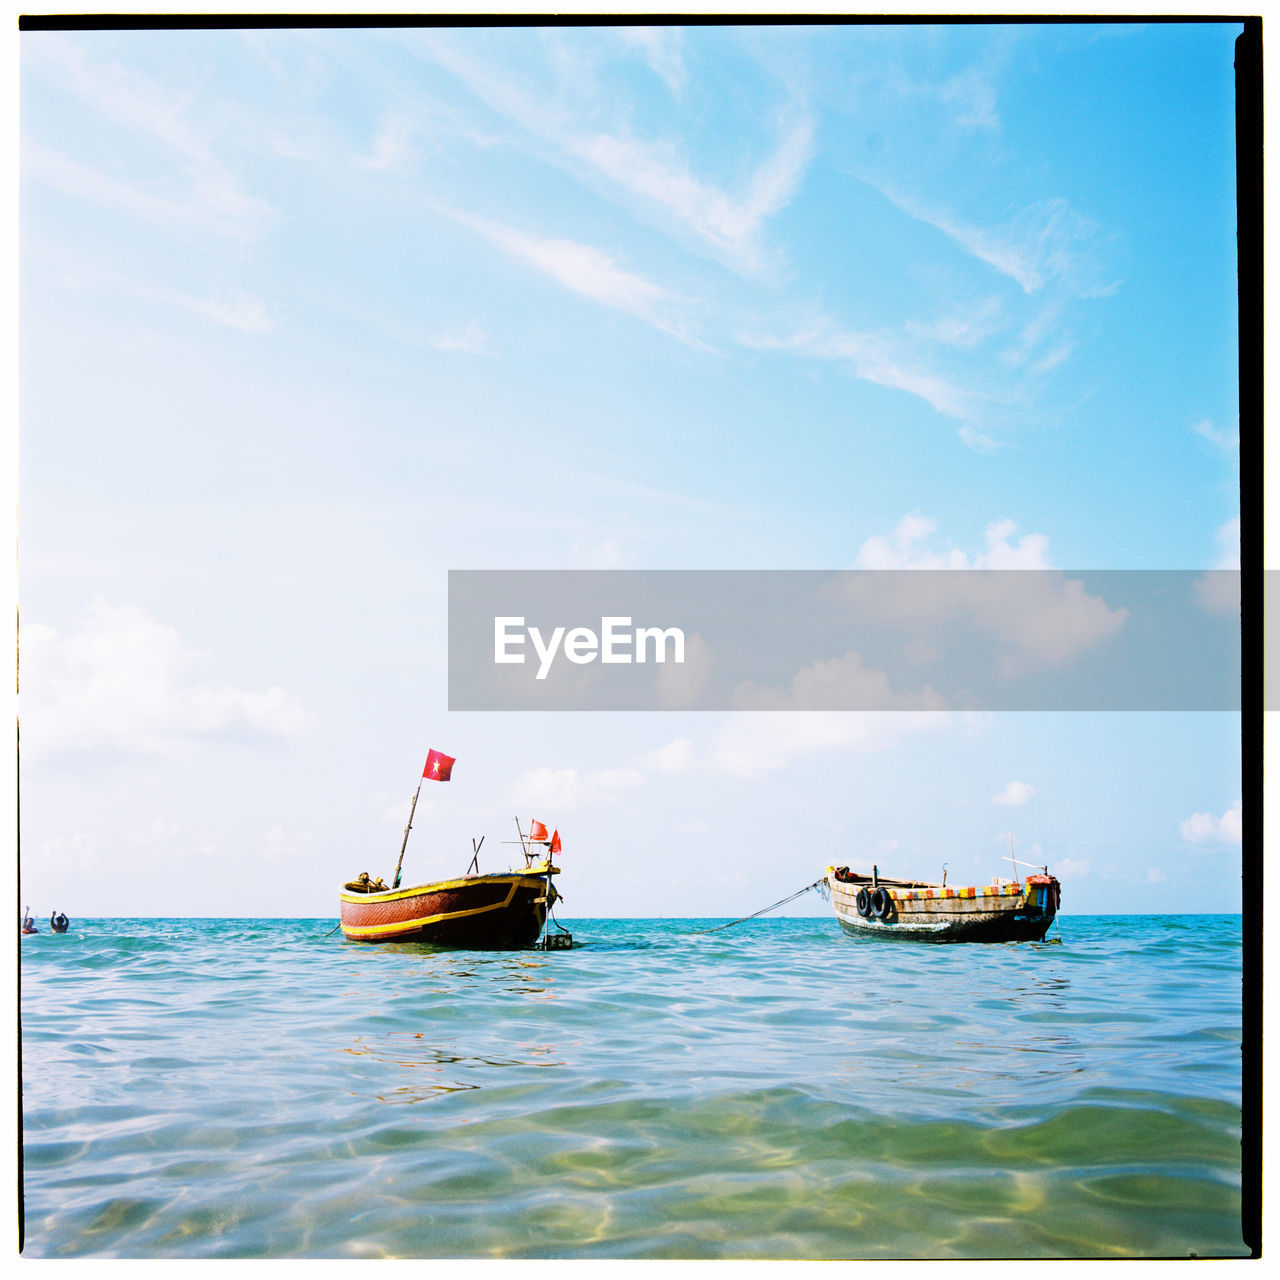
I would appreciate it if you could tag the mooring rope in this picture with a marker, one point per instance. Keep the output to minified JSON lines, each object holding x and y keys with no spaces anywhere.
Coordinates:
{"x":782,"y":902}
{"x":762,"y":910}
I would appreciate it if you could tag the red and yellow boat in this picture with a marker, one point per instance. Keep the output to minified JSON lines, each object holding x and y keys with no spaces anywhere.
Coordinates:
{"x":507,"y":910}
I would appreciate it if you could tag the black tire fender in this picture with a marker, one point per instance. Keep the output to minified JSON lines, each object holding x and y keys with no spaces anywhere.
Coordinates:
{"x":863,"y":903}
{"x":881,"y":904}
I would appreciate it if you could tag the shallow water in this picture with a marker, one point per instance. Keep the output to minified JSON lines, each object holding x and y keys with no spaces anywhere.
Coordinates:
{"x":251,"y":1088}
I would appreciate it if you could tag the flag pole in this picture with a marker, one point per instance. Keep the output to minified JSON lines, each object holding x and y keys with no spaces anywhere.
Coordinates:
{"x":395,"y":884}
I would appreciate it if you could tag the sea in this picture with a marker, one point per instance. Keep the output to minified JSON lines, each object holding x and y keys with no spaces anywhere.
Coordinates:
{"x":667,"y":1089}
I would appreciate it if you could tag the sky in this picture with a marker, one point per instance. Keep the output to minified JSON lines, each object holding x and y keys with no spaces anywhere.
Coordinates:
{"x":310,"y":317}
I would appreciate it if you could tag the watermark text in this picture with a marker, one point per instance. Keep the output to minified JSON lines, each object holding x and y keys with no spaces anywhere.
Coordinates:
{"x":616,"y":641}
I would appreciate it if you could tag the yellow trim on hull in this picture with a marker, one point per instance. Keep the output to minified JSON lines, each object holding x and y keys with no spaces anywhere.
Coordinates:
{"x":436,"y":886}
{"x":406,"y":926}
{"x":532,"y":878}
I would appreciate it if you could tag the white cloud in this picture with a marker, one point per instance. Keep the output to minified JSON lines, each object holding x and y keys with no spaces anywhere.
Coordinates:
{"x":662,"y":48}
{"x":161,"y":832}
{"x":1219,"y":592}
{"x":279,"y":845}
{"x":1030,"y":551}
{"x":679,"y":684}
{"x":120,"y":93}
{"x":201,"y":206}
{"x":1052,"y":358}
{"x":836,"y":684}
{"x":1016,"y":793}
{"x":392,"y":145}
{"x":1040,"y":618}
{"x":196,"y":189}
{"x":615,"y":779}
{"x":603,"y":553}
{"x":1043,"y":243}
{"x":65,"y":856}
{"x":756,"y":743}
{"x":965,"y":329}
{"x":873,"y":358}
{"x":1227,"y":441}
{"x":243,"y":312}
{"x":904,"y":548}
{"x":630,"y":491}
{"x":972,"y":95}
{"x":1204,"y":828}
{"x":1155,"y":876}
{"x":976,"y":441}
{"x":729,"y":225}
{"x":677,"y":756}
{"x":653,"y":169}
{"x":1054,"y":255}
{"x":751,"y":744}
{"x":1228,"y":540}
{"x":469,"y":340}
{"x":1070,"y":868}
{"x":549,"y":790}
{"x":121,"y":679}
{"x":1042,"y":333}
{"x":76,"y":272}
{"x":585,"y":270}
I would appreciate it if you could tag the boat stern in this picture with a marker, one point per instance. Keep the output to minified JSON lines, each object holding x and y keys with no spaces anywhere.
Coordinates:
{"x":1043,"y":896}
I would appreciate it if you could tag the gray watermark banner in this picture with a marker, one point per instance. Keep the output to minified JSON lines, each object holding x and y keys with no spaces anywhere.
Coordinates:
{"x":853,"y":640}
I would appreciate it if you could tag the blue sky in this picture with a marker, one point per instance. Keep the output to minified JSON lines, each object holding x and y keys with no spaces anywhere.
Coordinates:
{"x":310,"y":317}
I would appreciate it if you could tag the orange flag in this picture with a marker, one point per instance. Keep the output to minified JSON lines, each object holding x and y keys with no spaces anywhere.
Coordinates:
{"x":537,"y":831}
{"x":555,"y":841}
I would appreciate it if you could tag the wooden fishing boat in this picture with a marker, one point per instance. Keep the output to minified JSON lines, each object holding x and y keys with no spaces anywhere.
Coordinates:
{"x":506,"y":910}
{"x":1003,"y":911}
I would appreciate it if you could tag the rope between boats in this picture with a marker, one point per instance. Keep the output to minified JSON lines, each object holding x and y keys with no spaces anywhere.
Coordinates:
{"x":762,"y":910}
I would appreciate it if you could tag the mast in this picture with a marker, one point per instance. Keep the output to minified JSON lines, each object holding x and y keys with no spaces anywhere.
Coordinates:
{"x":395,"y":884}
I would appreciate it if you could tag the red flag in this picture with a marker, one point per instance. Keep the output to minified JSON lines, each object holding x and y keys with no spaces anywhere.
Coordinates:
{"x":537,"y":831}
{"x":438,"y":766}
{"x":555,"y":841}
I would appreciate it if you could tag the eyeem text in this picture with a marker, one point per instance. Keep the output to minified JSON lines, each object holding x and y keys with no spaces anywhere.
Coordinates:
{"x":615,"y":642}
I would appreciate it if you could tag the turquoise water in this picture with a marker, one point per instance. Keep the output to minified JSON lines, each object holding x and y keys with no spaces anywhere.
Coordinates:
{"x":251,"y":1088}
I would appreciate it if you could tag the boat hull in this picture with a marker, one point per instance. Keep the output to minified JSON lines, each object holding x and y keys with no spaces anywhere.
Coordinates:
{"x":489,"y":912}
{"x":1008,"y":912}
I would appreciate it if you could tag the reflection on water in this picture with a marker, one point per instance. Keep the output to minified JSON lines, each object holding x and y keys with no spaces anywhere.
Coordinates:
{"x":410,"y":1052}
{"x":418,"y":969}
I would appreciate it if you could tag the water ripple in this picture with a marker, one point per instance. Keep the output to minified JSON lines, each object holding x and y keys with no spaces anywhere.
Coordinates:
{"x":254,"y":1089}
